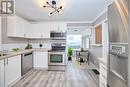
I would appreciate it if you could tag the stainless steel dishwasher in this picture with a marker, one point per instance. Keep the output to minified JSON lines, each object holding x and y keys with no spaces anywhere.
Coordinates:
{"x":27,"y":63}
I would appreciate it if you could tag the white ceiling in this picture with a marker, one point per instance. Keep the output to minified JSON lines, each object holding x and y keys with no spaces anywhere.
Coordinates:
{"x":75,"y":10}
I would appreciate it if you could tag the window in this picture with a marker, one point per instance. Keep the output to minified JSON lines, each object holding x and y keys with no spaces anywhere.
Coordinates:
{"x":74,"y":41}
{"x":98,"y":34}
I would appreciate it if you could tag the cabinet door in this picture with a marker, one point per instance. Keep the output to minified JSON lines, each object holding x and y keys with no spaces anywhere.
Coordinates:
{"x":15,"y":26}
{"x":45,"y":30}
{"x":12,"y":69}
{"x":34,"y":31}
{"x":11,"y":26}
{"x":56,"y":26}
{"x":62,"y":26}
{"x":20,"y":26}
{"x":26,"y":28}
{"x":2,"y":73}
{"x":40,"y":30}
{"x":41,"y":60}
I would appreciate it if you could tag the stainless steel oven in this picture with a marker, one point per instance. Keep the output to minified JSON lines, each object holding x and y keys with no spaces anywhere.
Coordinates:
{"x":56,"y":58}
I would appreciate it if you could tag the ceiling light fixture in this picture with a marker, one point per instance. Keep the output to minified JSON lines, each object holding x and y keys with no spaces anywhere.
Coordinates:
{"x":54,"y":7}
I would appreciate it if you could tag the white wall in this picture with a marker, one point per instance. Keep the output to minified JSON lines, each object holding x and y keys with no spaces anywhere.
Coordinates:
{"x":105,"y":40}
{"x":98,"y":51}
{"x":10,"y":46}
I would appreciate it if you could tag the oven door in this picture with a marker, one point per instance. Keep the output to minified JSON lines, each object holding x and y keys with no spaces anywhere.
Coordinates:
{"x":56,"y":58}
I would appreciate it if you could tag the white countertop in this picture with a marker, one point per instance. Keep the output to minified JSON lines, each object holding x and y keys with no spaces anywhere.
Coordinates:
{"x":11,"y":53}
{"x":103,"y":60}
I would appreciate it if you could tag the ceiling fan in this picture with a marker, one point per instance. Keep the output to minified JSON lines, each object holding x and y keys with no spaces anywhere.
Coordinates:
{"x":54,"y":7}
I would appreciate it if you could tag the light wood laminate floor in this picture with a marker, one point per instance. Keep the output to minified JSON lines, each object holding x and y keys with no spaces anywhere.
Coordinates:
{"x":72,"y":77}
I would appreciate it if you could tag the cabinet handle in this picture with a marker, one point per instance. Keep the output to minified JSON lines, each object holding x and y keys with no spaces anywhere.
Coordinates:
{"x":24,"y":35}
{"x":4,"y":62}
{"x":7,"y":61}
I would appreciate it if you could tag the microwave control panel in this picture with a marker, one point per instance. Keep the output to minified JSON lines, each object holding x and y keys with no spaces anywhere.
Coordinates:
{"x":119,"y":50}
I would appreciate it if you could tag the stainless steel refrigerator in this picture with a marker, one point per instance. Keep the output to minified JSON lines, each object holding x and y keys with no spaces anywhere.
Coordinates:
{"x":118,"y":44}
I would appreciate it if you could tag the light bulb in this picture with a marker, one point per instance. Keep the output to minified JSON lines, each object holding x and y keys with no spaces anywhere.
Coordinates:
{"x":49,"y":14}
{"x":59,"y":12}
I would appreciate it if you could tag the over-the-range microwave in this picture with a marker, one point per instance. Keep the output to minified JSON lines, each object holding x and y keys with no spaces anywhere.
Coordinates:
{"x":58,"y":35}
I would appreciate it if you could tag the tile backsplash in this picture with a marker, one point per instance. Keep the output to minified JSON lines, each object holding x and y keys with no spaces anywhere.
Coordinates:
{"x":23,"y":45}
{"x":35,"y":44}
{"x":11,"y":46}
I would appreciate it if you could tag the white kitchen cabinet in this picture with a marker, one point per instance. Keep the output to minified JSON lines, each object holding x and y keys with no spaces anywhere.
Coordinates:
{"x":41,"y":60}
{"x":46,"y":30}
{"x":16,"y":26}
{"x":42,"y":30}
{"x":1,"y":73}
{"x":56,"y":26}
{"x":12,"y":69}
{"x":34,"y":31}
{"x":103,"y":75}
{"x":39,"y":30}
{"x":25,"y":28}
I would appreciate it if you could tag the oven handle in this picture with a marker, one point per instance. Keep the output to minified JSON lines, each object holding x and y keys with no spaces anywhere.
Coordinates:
{"x":56,"y":53}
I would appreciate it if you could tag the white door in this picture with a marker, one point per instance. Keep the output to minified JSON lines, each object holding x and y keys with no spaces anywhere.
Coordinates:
{"x":1,"y":73}
{"x":41,"y":60}
{"x":12,"y":69}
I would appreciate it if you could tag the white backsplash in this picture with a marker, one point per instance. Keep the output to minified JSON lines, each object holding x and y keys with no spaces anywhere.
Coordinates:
{"x":23,"y":45}
{"x":44,"y":45}
{"x":11,"y":46}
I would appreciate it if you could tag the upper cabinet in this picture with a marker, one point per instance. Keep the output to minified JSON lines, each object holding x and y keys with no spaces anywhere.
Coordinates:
{"x":58,"y":26}
{"x":16,"y":26}
{"x":38,"y":30}
{"x":42,"y":30}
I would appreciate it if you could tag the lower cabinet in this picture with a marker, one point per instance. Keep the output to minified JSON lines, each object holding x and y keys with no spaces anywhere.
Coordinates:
{"x":103,"y":75}
{"x":2,"y":73}
{"x":40,"y":60}
{"x":12,"y":69}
